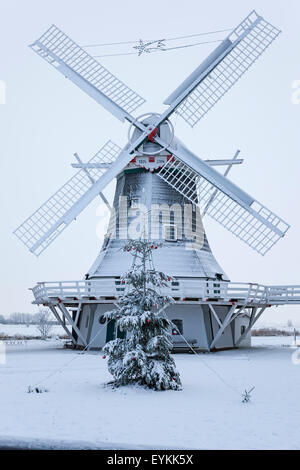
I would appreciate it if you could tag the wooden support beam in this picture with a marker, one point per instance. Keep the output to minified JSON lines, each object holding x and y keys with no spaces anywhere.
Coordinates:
{"x":77,"y":314}
{"x":62,"y":323}
{"x":65,"y":312}
{"x":253,"y":319}
{"x":215,"y":315}
{"x":225,"y":323}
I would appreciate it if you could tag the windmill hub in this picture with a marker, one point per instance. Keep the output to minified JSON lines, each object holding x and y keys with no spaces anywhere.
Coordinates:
{"x":165,"y":130}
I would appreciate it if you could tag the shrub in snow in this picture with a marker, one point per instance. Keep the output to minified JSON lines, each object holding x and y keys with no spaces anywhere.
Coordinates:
{"x":44,"y":324}
{"x":143,"y":357}
{"x":36,"y":389}
{"x":247,"y":395}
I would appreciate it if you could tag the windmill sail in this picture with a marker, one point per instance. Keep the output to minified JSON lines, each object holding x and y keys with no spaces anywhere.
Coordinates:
{"x":222,"y":69}
{"x":47,"y":222}
{"x":224,"y":201}
{"x":86,"y":72}
{"x":230,"y":206}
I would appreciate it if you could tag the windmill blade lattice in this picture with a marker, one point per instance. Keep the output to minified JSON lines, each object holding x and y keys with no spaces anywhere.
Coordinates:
{"x":223,"y":68}
{"x":224,"y":201}
{"x":248,"y":220}
{"x":86,"y":72}
{"x":47,"y":222}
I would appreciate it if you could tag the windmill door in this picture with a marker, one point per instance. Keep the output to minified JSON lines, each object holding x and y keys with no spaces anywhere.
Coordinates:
{"x":111,"y":331}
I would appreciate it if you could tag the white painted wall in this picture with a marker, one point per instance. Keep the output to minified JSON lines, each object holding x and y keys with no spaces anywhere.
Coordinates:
{"x":239,"y":323}
{"x":193,"y":322}
{"x":99,"y":330}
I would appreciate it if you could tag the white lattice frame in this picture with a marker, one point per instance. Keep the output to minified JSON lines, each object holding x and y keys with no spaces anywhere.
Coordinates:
{"x":35,"y":227}
{"x":204,"y":88}
{"x":256,"y":225}
{"x":86,"y":72}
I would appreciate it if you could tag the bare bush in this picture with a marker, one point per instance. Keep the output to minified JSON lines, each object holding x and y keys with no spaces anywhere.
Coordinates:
{"x":44,"y":323}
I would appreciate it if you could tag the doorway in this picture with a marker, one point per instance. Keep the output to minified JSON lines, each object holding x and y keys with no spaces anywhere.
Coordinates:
{"x":111,"y":331}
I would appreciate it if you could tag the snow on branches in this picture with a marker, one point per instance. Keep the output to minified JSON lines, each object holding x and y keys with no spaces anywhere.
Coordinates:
{"x":143,"y":356}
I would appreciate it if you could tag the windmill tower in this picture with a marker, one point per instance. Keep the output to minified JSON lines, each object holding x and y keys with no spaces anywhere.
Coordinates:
{"x":163,"y":191}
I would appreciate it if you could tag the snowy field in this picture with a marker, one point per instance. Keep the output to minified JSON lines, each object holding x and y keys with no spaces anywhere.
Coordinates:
{"x":79,"y":411}
{"x":30,"y":330}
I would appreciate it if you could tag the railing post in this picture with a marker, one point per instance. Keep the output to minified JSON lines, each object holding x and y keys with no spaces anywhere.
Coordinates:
{"x":45,"y":291}
{"x":249,"y":292}
{"x":266,"y":294}
{"x":256,"y":292}
{"x":202,"y":289}
{"x":225,"y":287}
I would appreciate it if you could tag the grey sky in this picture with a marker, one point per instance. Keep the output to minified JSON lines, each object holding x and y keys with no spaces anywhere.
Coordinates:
{"x":46,"y":119}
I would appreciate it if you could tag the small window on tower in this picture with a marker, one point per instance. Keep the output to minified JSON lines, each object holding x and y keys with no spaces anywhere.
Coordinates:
{"x":170,"y":233}
{"x":134,"y":202}
{"x":178,"y":327}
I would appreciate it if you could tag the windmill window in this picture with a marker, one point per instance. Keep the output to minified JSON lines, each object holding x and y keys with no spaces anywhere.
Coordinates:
{"x":194,"y":219}
{"x":243,"y":329}
{"x":170,"y":233}
{"x":175,"y":286}
{"x":134,"y":202}
{"x":178,"y":328}
{"x":102,"y":319}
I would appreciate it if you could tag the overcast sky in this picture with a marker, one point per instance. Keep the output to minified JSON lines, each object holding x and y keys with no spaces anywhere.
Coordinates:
{"x":46,"y":119}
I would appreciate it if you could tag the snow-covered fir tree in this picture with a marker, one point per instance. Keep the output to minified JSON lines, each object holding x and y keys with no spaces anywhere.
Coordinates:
{"x":143,"y":356}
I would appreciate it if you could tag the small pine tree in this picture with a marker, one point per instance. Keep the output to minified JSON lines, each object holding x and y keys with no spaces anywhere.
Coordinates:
{"x":143,"y":356}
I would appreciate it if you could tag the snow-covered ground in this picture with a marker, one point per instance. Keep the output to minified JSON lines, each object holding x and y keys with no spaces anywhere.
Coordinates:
{"x":30,"y":330}
{"x":79,"y":411}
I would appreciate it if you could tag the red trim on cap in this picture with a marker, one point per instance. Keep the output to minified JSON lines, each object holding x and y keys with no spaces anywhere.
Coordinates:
{"x":152,"y":134}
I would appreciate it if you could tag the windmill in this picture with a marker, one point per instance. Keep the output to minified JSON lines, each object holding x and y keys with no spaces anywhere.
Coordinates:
{"x":155,"y":171}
